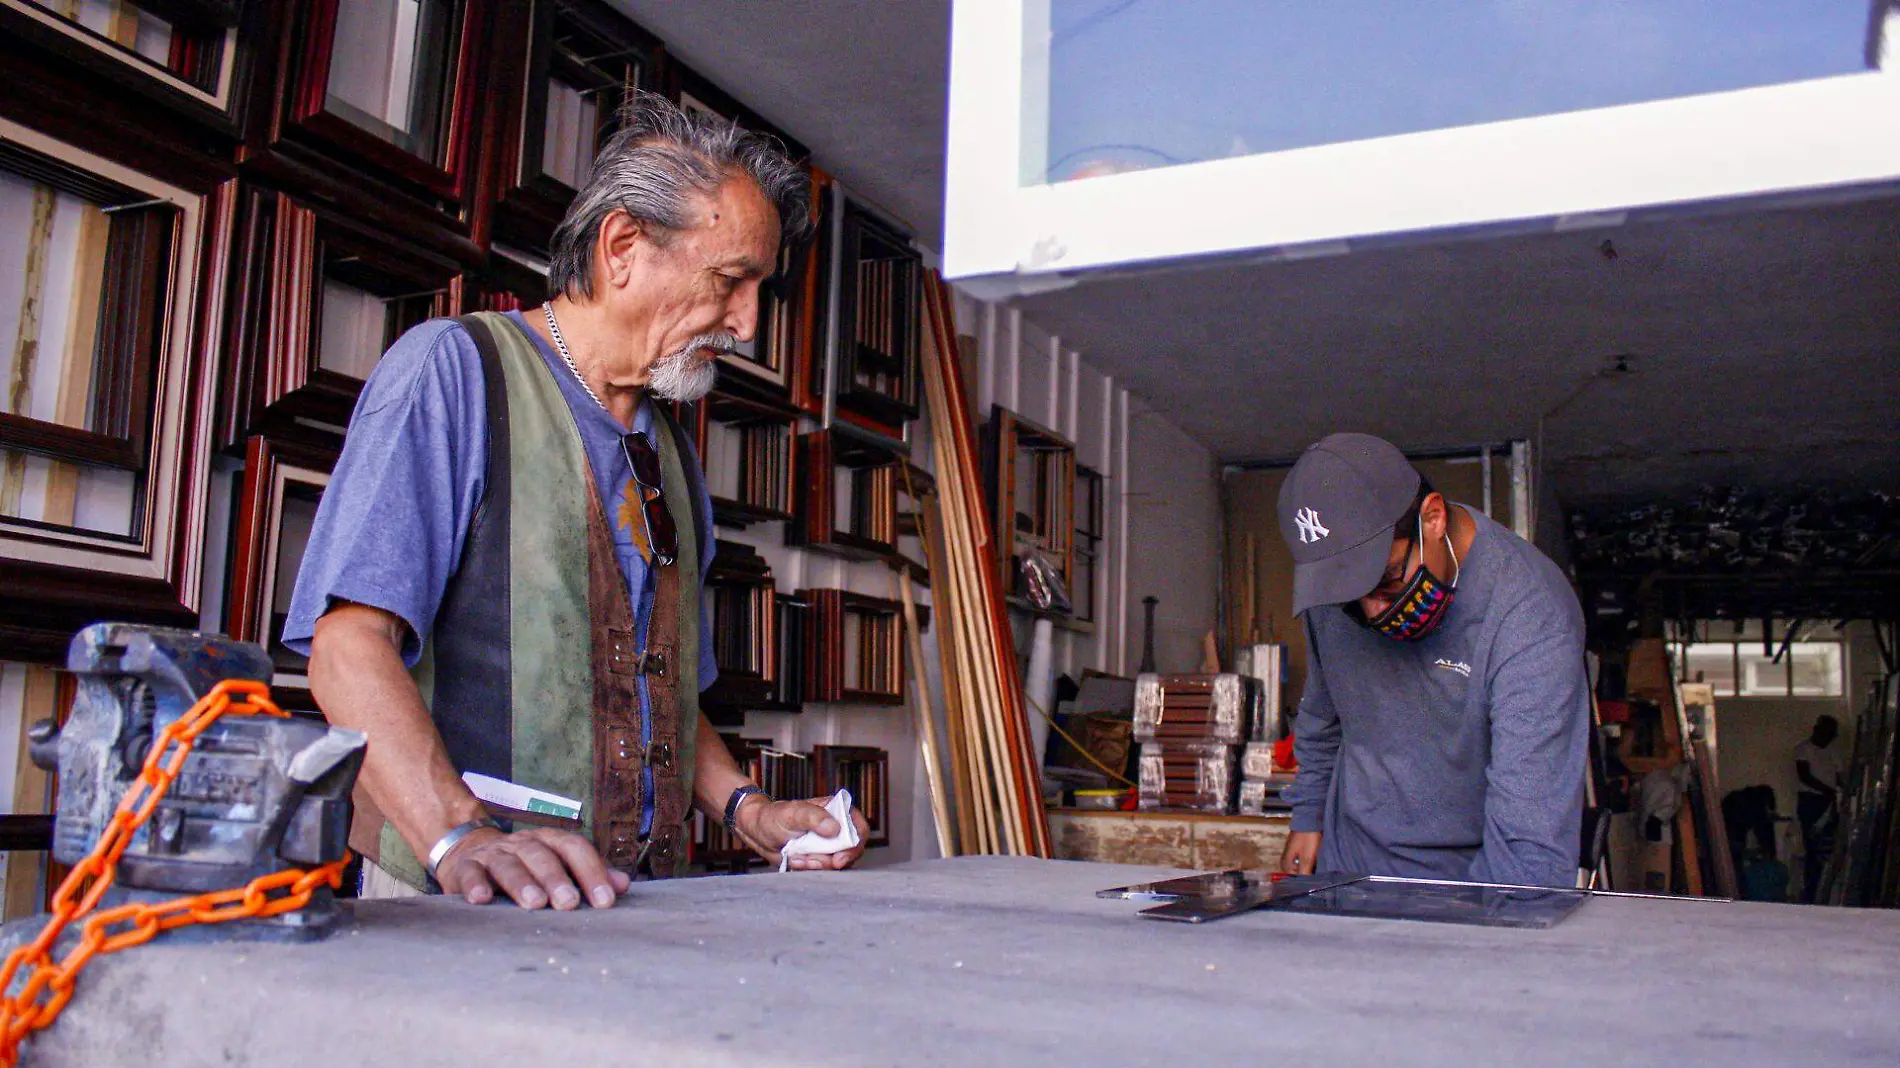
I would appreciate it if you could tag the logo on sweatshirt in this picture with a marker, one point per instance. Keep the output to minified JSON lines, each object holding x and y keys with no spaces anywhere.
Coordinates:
{"x":1460,"y":667}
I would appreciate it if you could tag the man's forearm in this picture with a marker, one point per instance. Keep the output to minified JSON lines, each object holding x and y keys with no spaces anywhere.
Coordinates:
{"x":715,"y":774}
{"x":358,"y":679}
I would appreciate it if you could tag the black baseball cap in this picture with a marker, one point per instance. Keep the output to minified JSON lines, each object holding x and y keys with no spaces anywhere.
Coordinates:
{"x":1337,"y":511}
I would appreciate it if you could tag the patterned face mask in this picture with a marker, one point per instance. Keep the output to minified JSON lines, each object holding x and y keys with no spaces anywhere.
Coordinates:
{"x":1421,"y":606}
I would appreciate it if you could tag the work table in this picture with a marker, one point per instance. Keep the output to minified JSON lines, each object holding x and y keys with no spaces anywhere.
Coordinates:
{"x":989,"y":960}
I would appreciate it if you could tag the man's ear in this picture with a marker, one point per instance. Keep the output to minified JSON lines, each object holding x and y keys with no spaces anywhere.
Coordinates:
{"x":1431,"y":512}
{"x":623,"y":240}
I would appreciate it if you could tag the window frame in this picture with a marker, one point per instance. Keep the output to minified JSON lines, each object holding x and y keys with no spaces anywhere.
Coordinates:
{"x":1679,"y":651}
{"x":1003,"y":238}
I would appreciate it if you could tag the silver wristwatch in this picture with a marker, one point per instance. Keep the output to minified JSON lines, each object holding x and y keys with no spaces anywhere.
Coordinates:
{"x":442,"y":845}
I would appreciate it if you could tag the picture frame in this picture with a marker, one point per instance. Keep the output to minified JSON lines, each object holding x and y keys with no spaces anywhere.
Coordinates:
{"x":581,"y":61}
{"x":128,"y":540}
{"x":309,"y":288}
{"x":191,"y":57}
{"x":1031,"y":474}
{"x":389,"y":131}
{"x":283,"y":481}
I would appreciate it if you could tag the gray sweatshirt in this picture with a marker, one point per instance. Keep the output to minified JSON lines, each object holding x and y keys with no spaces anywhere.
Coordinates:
{"x":1460,"y":756}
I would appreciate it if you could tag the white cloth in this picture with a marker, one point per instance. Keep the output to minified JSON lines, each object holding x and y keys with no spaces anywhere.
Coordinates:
{"x":1823,"y":764}
{"x":811,"y":842}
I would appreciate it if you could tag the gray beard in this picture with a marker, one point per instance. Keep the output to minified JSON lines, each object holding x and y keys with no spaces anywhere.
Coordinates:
{"x":681,"y":377}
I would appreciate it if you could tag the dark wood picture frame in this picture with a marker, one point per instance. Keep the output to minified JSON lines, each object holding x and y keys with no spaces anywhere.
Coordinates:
{"x":275,"y":466}
{"x":1091,"y":532}
{"x":744,"y":606}
{"x":871,"y":532}
{"x":203,"y":78}
{"x":288,"y":251}
{"x":293,"y":140}
{"x":55,"y":580}
{"x":1010,"y":442}
{"x":583,"y":43}
{"x":880,"y":322}
{"x":865,"y":771}
{"x":133,"y":298}
{"x":766,"y":476}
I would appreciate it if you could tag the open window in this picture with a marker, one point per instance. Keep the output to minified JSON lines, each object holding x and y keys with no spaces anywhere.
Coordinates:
{"x":102,"y":462}
{"x":182,"y":54}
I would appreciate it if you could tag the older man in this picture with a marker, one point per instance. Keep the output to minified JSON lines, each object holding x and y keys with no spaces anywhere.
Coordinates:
{"x":498,"y":580}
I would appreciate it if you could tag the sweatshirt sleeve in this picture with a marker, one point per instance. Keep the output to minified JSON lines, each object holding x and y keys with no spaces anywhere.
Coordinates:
{"x":1315,"y":746}
{"x":1540,"y":721}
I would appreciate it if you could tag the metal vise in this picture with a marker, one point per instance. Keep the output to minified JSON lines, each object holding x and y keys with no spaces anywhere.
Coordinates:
{"x":257,"y":794}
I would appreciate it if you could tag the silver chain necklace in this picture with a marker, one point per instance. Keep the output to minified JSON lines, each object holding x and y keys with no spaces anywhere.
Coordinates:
{"x":560,"y":345}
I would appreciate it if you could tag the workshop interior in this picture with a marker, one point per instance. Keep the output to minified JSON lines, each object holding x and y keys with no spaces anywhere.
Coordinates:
{"x":1008,"y":536}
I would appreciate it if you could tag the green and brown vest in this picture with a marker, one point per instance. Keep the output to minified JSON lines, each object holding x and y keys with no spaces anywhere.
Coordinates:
{"x":531,"y":670}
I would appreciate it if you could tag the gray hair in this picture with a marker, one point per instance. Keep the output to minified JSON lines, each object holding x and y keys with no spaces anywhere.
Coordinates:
{"x":654,"y":167}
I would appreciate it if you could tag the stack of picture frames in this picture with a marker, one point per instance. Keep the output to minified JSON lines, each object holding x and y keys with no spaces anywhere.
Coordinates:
{"x":994,"y":766}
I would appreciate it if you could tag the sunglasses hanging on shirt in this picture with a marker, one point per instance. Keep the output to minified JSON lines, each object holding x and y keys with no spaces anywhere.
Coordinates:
{"x":644,"y":459}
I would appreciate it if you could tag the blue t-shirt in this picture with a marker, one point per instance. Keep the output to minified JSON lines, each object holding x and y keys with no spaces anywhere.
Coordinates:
{"x":392,"y":524}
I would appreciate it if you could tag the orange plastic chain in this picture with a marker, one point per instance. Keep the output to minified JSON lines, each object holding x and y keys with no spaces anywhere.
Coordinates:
{"x":50,"y":985}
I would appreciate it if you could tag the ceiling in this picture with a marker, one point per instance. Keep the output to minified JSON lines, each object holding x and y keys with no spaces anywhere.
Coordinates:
{"x":1764,"y":348}
{"x":863,"y":83}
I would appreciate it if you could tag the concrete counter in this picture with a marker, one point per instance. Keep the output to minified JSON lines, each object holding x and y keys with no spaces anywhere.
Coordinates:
{"x":997,"y":961}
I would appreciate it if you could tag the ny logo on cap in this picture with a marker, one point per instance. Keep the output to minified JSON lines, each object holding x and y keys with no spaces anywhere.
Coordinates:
{"x":1308,"y":521}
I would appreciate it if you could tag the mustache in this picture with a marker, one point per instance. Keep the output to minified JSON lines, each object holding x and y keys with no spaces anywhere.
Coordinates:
{"x":721,"y":344}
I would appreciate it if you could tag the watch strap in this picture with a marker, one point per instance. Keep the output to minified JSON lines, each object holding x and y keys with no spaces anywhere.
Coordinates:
{"x":738,"y":798}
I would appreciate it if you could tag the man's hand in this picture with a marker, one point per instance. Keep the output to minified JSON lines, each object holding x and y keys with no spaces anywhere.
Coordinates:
{"x":767,"y":825}
{"x":535,"y":868}
{"x":1301,"y":853}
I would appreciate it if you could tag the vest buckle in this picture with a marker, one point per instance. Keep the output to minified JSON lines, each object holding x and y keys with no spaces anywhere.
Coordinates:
{"x":651,"y":662}
{"x":660,"y":756}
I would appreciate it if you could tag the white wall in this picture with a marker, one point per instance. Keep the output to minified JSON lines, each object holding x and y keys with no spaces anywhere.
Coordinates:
{"x":1174,"y":527}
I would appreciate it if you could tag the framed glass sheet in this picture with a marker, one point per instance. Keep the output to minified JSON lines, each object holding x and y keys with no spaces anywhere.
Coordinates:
{"x":1472,"y":904}
{"x":1095,"y":133}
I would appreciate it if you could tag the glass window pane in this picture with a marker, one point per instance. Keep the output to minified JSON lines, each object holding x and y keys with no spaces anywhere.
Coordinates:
{"x":53,"y":249}
{"x":1713,"y":663}
{"x":1760,"y":675}
{"x":1816,"y":668}
{"x":1135,"y":84}
{"x":388,"y":67}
